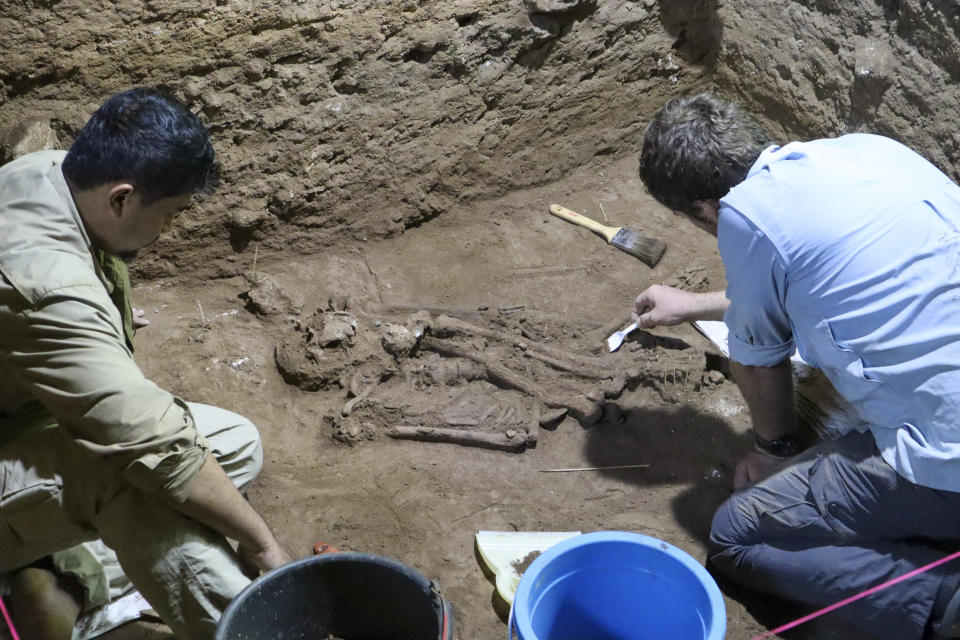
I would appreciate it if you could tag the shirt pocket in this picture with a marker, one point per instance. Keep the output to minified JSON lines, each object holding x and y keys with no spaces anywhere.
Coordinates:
{"x":795,"y":517}
{"x":845,"y":359}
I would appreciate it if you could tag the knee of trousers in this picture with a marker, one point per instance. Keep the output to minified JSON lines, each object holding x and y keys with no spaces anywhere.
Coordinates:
{"x":733,"y":528}
{"x":240,"y":452}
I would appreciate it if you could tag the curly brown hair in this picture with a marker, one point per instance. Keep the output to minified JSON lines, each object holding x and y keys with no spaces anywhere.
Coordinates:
{"x":697,"y":149}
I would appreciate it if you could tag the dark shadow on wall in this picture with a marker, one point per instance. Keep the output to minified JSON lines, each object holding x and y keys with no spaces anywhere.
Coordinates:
{"x":683,"y":447}
{"x":696,"y":28}
{"x":557,"y":21}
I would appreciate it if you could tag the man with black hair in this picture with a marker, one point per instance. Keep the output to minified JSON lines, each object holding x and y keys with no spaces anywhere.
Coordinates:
{"x":848,"y":250}
{"x":89,"y":448}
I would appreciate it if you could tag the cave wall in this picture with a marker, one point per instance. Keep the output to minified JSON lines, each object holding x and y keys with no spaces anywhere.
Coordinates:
{"x":354,"y":119}
{"x":827,"y":67}
{"x":342,"y":120}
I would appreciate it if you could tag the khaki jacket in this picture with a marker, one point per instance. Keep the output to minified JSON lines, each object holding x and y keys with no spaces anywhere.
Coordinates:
{"x":63,"y":357}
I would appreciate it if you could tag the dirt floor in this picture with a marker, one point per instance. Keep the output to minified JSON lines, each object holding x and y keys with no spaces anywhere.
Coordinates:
{"x":381,"y":253}
{"x":508,"y":265}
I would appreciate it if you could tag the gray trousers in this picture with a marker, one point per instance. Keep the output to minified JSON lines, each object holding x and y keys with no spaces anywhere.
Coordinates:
{"x":834,"y":521}
{"x":54,"y":496}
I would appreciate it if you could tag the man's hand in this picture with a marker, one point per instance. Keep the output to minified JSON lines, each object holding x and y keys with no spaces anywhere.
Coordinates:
{"x":756,"y":466}
{"x":139,"y":319}
{"x":663,"y":306}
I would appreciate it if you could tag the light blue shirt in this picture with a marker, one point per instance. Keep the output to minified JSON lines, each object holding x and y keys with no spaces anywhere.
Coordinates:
{"x":849,"y":250}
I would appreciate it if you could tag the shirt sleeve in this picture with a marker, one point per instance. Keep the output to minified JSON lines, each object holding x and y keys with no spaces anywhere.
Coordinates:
{"x":760,"y":334}
{"x":67,"y":350}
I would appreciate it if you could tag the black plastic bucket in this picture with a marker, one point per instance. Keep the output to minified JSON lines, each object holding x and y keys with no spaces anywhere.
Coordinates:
{"x":354,"y":596}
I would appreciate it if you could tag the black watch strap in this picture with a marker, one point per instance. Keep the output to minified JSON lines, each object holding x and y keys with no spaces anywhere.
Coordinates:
{"x":784,"y":447}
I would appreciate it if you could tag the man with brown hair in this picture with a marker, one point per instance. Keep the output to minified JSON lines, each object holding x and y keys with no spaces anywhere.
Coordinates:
{"x":848,"y":250}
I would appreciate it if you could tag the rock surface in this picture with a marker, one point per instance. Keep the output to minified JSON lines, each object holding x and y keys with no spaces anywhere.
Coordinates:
{"x":27,"y":137}
{"x":343,"y":121}
{"x":266,"y":297}
{"x":823,"y":68}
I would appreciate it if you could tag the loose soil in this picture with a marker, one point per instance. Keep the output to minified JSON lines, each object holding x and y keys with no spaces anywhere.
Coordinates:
{"x":520,"y":566}
{"x":422,"y":502}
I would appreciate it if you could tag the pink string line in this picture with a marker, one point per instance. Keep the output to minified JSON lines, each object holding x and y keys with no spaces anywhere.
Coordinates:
{"x":6,"y":616}
{"x":863,"y":594}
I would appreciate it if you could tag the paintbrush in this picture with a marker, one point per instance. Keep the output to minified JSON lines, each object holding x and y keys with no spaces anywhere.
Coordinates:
{"x":648,"y":250}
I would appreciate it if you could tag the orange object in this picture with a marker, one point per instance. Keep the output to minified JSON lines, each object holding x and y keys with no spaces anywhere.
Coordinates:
{"x":322,"y":547}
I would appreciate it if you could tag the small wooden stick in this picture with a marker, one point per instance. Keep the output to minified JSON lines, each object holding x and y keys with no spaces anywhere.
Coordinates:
{"x":621,"y":466}
{"x":202,"y":317}
{"x":510,"y":439}
{"x":550,"y":270}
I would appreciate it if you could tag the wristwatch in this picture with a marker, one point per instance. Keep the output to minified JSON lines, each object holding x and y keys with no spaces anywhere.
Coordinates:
{"x":784,"y":447}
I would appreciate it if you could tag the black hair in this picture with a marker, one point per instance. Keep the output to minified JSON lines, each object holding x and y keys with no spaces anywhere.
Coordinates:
{"x":149,"y":138}
{"x":697,"y":149}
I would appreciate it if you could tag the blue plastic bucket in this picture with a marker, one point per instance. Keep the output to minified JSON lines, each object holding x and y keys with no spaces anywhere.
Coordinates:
{"x":613,"y":585}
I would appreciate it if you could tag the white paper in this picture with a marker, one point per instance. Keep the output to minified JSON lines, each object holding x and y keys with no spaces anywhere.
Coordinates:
{"x":94,"y":624}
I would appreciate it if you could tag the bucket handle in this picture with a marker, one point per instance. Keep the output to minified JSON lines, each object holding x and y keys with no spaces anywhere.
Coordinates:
{"x":510,"y":623}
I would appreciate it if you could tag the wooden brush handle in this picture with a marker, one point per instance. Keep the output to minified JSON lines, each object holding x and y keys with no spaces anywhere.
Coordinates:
{"x":583,"y":221}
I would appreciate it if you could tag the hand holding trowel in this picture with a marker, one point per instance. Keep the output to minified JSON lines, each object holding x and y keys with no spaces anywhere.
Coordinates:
{"x":648,"y":250}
